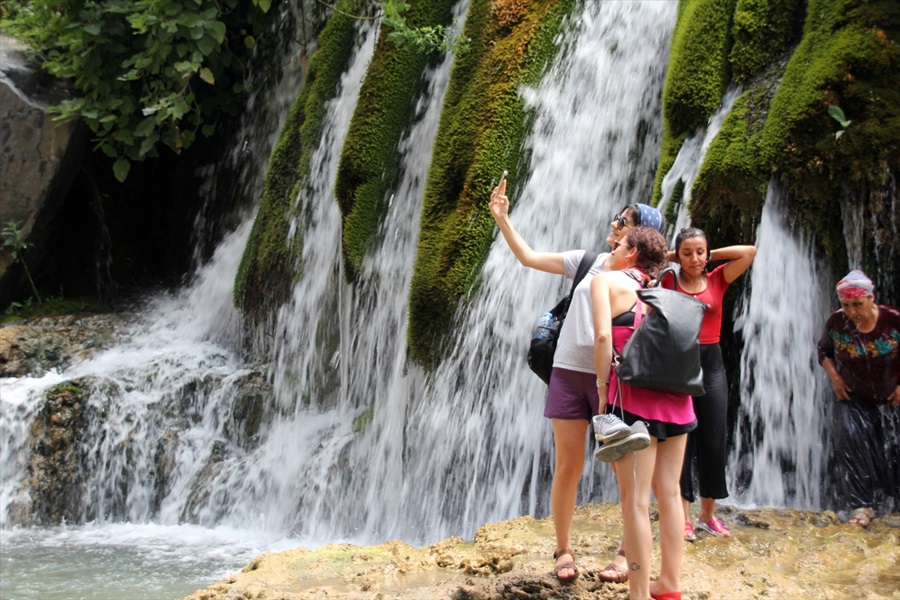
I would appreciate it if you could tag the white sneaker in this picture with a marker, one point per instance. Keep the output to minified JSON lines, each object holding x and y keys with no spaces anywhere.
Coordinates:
{"x":609,"y":428}
{"x":613,"y":451}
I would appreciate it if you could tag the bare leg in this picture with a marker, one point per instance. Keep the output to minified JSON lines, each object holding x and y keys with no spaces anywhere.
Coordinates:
{"x":667,"y":489}
{"x":635,"y":473}
{"x":568,"y":439}
{"x":619,"y":561}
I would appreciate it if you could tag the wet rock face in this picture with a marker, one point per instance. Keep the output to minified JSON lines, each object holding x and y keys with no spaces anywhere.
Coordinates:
{"x":39,"y":157}
{"x":35,"y":347}
{"x":56,"y":469}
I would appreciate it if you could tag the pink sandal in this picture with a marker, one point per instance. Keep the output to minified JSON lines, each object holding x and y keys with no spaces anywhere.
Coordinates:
{"x":715,"y":526}
{"x":689,"y":534}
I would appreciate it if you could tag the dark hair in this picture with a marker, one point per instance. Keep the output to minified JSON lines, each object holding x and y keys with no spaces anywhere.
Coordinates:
{"x":686,"y":234}
{"x":651,"y":249}
{"x":635,"y":213}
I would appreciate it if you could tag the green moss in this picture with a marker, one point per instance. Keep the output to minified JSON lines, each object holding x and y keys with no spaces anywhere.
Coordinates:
{"x":847,"y":57}
{"x":698,"y":66}
{"x":730,"y":187}
{"x":482,"y":130}
{"x":697,"y":75}
{"x":762,"y":30}
{"x":54,"y":307}
{"x":369,"y":159}
{"x":267,"y":270}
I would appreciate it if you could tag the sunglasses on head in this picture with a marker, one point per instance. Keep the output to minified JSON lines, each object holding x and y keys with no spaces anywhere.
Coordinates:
{"x":621,"y":221}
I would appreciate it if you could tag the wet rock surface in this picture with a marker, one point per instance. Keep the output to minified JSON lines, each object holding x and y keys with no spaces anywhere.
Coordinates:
{"x":771,"y":554}
{"x":33,"y":347}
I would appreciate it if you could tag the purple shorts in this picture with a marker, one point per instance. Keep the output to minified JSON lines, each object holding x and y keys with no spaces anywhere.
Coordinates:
{"x":572,"y":395}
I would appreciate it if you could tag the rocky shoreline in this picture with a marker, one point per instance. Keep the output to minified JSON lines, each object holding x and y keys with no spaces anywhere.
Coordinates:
{"x":773,"y":553}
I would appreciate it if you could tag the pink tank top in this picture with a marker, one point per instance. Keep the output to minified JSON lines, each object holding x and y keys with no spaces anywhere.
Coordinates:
{"x":650,"y":404}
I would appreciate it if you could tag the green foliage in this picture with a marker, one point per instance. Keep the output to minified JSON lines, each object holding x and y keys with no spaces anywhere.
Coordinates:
{"x":427,"y":39}
{"x":144,"y":73}
{"x":14,"y":243}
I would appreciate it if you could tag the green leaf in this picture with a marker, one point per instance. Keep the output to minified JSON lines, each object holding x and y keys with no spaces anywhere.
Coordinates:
{"x":838,"y":115}
{"x":121,"y":168}
{"x":207,"y":76}
{"x":206,"y":45}
{"x":249,"y":42}
{"x":145,"y":127}
{"x":217,"y":30}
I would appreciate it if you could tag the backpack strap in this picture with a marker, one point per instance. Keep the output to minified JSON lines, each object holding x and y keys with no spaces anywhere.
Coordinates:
{"x":587,"y":261}
{"x":638,"y":276}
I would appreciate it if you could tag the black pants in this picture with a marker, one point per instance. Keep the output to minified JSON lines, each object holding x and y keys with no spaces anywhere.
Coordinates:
{"x":706,"y":444}
{"x":867,"y":449}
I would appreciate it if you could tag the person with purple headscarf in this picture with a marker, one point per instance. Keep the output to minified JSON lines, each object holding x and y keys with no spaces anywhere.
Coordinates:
{"x":860,"y":351}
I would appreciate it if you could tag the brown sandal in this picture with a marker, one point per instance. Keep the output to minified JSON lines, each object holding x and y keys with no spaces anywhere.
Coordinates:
{"x":568,"y":565}
{"x":612,"y":573}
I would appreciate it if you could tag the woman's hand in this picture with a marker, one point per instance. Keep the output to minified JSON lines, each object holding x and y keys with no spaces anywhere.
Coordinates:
{"x":603,"y":396}
{"x":894,"y":398}
{"x":841,"y":389}
{"x":499,"y":202}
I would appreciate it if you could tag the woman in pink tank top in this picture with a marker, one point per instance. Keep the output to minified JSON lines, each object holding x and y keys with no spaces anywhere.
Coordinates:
{"x":640,"y":255}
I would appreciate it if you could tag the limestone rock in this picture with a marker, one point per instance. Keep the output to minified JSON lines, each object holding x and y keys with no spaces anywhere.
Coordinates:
{"x":39,"y":157}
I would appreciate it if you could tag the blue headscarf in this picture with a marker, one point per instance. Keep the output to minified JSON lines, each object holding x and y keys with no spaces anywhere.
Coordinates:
{"x":651,"y":217}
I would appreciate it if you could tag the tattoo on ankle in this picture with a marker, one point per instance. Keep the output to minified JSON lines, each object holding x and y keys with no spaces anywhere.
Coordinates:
{"x":635,"y":566}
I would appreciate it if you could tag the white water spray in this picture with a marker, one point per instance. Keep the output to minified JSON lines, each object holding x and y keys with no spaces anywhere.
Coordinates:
{"x":782,"y":435}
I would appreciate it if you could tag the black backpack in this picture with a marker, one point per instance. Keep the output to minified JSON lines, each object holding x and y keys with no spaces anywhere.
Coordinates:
{"x":543,"y":339}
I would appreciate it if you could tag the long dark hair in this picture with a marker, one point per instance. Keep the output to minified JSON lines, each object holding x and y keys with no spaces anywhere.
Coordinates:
{"x":686,"y":234}
{"x":651,"y":249}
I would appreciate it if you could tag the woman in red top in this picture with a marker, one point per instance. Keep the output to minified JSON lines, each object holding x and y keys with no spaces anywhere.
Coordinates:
{"x":706,"y":444}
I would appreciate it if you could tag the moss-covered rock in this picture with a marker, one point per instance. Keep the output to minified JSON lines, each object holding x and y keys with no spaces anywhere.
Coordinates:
{"x":482,"y":130}
{"x":57,"y":465}
{"x":698,"y":73}
{"x":848,"y":57}
{"x":368,"y":171}
{"x":730,"y":188}
{"x":762,"y":30}
{"x":268,"y":267}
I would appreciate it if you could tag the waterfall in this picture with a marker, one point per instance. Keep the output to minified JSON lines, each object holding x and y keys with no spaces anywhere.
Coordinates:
{"x":687,"y":164}
{"x":162,"y":431}
{"x":355,"y":443}
{"x":782,"y":436}
{"x":479,"y":447}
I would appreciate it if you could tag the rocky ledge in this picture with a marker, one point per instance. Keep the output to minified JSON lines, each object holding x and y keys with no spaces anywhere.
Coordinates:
{"x":772,"y":554}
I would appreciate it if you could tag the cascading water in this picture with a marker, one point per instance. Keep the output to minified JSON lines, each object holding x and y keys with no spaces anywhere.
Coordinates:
{"x":354,"y":443}
{"x":478,"y":448}
{"x":782,"y":438}
{"x":161,"y":424}
{"x":687,"y":164}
